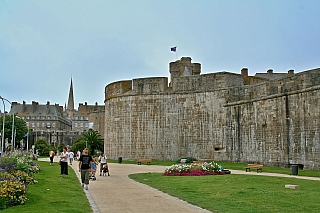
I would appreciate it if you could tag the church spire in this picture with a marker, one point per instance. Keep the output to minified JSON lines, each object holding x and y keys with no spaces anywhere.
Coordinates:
{"x":71,"y":99}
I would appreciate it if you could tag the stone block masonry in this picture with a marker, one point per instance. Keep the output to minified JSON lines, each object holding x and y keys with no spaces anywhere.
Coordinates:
{"x":221,"y":116}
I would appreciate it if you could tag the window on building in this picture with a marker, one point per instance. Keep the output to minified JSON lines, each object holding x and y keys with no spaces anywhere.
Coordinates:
{"x":28,"y":117}
{"x":75,"y":124}
{"x":38,"y":124}
{"x":27,"y":123}
{"x":54,"y":117}
{"x":76,"y":118}
{"x":38,"y":117}
{"x":81,"y":124}
{"x":87,"y":125}
{"x":53,"y":124}
{"x":48,"y":117}
{"x":32,"y":124}
{"x":33,"y":117}
{"x":43,"y":117}
{"x":86,"y":118}
{"x":42,"y":125}
{"x":23,"y":117}
{"x":48,"y":125}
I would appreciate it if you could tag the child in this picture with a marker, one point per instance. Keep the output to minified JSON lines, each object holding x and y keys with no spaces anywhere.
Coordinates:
{"x":94,"y":168}
{"x":105,"y":170}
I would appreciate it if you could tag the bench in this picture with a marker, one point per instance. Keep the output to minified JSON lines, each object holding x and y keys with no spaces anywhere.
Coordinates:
{"x":148,"y":161}
{"x":183,"y":161}
{"x":258,"y":167}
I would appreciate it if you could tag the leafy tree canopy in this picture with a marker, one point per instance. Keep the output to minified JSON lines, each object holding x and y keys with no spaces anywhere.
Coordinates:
{"x":93,"y":139}
{"x":79,"y":146}
{"x":19,"y":125}
{"x":42,"y":146}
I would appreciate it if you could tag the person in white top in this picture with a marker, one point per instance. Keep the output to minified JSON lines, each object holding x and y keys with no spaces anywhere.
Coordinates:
{"x":71,"y":154}
{"x":64,"y":162}
{"x":103,"y":161}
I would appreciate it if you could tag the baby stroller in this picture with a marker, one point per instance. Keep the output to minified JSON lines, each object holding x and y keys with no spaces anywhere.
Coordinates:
{"x":93,"y":172}
{"x":105,"y":170}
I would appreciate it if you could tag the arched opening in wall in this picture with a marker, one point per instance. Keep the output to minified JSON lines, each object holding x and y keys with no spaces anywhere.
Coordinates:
{"x":219,"y":149}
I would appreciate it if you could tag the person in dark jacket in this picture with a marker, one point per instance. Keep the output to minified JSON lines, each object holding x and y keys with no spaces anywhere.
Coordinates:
{"x":85,"y":165}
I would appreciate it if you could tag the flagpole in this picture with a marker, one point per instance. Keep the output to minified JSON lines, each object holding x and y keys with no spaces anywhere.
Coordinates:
{"x":176,"y":53}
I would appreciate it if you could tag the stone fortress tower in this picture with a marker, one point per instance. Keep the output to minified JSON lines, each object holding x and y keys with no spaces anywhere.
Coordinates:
{"x":270,"y":118}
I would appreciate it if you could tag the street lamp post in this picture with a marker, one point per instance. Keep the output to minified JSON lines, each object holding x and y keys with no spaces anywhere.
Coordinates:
{"x":3,"y":120}
{"x":12,"y":133}
{"x":4,"y":116}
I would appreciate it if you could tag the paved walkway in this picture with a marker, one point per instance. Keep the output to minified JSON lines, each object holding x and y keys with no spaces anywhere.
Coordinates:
{"x":117,"y":193}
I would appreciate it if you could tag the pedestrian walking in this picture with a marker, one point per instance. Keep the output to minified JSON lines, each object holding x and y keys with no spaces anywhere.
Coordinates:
{"x":71,"y":155}
{"x":85,"y":165}
{"x":51,"y":155}
{"x":64,"y":162}
{"x":103,"y":162}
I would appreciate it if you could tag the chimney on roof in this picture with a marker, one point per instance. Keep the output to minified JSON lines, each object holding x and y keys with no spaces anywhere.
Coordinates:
{"x":48,"y":107}
{"x":34,"y":106}
{"x":244,"y":72}
{"x":24,"y":106}
{"x":270,"y":71}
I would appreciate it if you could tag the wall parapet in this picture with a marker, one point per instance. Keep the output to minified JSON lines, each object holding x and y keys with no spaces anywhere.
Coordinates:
{"x":207,"y":82}
{"x":149,"y":85}
{"x":115,"y":89}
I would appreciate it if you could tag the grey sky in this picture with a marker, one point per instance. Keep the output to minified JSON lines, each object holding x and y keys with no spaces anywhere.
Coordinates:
{"x":43,"y":43}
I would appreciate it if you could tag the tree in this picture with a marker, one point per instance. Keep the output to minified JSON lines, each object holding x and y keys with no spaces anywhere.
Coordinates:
{"x":93,"y":139}
{"x":19,"y":125}
{"x":61,"y":146}
{"x":43,"y":147}
{"x":79,"y":146}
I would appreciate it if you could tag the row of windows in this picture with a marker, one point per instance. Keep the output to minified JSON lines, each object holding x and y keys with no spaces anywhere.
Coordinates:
{"x":39,"y":117}
{"x":81,"y":125}
{"x":48,"y":125}
{"x":81,"y":118}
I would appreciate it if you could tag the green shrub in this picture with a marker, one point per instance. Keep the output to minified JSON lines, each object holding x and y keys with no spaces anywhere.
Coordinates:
{"x":42,"y":147}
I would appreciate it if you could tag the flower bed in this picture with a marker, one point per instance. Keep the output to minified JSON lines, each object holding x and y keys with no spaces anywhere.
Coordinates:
{"x":17,"y":171}
{"x":211,"y":168}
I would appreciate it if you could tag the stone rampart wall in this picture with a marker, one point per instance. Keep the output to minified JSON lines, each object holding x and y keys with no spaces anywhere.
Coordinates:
{"x":275,"y":122}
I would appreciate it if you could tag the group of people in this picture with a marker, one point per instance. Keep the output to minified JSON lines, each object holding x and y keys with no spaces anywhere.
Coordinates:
{"x":87,"y":164}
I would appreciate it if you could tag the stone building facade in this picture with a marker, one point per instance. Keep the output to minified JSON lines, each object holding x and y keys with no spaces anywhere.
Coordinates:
{"x":219,"y":116}
{"x":56,"y":124}
{"x":44,"y":121}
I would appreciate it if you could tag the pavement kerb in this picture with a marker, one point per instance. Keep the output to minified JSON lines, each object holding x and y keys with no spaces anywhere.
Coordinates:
{"x":93,"y":205}
{"x":74,"y":166}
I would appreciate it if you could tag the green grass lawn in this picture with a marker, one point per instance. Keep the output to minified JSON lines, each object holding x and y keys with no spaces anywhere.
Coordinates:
{"x":238,"y":193}
{"x":53,"y":193}
{"x":236,"y":166}
{"x":217,"y":193}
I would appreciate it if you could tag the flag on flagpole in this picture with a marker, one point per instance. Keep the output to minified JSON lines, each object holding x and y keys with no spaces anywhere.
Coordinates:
{"x":173,"y":49}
